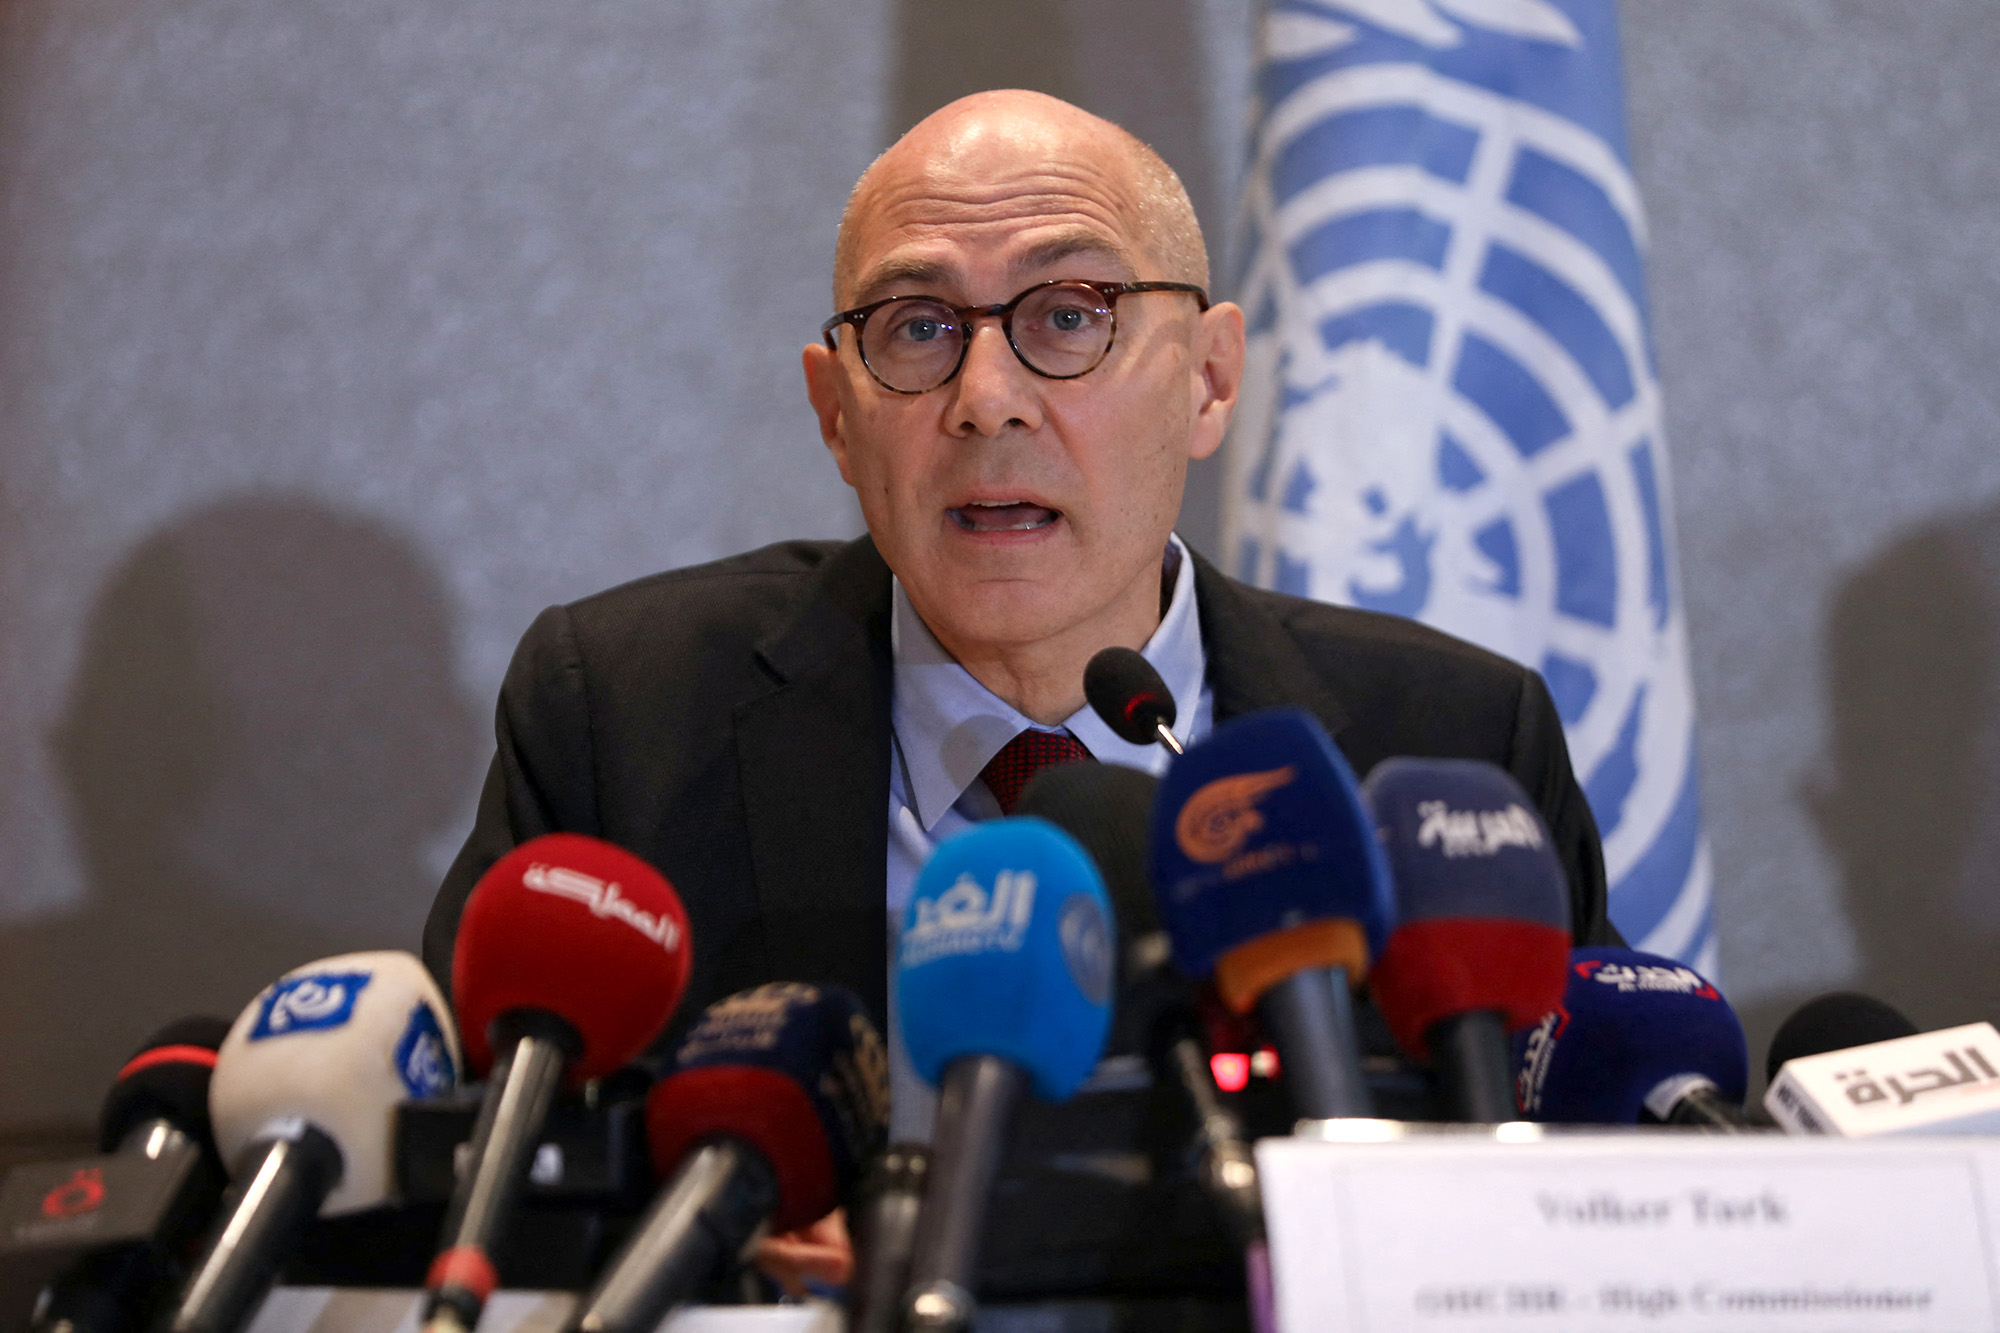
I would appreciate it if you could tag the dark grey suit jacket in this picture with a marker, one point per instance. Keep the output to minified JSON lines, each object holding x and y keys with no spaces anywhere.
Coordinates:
{"x":729,"y":724}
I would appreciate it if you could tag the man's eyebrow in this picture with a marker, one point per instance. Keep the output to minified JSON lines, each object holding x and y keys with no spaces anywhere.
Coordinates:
{"x":918,"y":272}
{"x":1068,"y":245}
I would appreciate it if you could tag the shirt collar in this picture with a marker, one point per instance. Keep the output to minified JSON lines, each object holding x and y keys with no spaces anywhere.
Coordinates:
{"x":948,"y":725}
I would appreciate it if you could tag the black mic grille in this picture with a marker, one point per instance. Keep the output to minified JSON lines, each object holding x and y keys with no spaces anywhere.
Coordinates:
{"x":165,"y":1080}
{"x":1128,"y":694}
{"x":1835,"y":1022}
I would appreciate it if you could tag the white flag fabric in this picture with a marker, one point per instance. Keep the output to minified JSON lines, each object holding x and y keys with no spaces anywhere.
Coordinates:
{"x":1452,"y":411}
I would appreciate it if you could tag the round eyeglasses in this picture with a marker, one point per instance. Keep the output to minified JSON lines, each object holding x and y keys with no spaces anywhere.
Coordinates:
{"x":1059,"y":330}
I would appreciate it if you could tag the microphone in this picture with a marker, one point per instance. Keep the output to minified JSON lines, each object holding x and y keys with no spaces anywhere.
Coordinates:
{"x":303,"y":1103}
{"x":1834,"y":1022}
{"x":1636,"y":1035}
{"x":1850,"y":1066}
{"x":777,"y":1096}
{"x":1269,"y":877}
{"x":163,"y":1088}
{"x":886,"y":1212}
{"x":154,"y":1126}
{"x":1129,"y":695}
{"x":1003,"y":979}
{"x":1105,"y":807}
{"x":1481,"y":945}
{"x":571,"y":956}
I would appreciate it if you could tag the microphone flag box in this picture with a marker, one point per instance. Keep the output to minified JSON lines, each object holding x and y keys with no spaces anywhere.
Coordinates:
{"x":1379,"y":1227}
{"x":67,"y":1207}
{"x":1943,"y":1082}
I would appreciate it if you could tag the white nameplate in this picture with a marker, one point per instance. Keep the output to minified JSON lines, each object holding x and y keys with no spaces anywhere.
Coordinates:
{"x":1518,"y":1228}
{"x":1945,"y":1082}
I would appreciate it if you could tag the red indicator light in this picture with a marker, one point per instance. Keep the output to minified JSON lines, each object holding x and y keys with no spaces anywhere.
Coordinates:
{"x":1231,"y":1070}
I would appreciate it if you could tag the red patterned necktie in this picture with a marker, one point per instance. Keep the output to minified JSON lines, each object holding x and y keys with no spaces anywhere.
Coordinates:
{"x":1023,"y":757}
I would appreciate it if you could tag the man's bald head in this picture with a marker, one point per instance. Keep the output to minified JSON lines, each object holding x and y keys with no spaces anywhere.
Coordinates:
{"x":946,"y":149}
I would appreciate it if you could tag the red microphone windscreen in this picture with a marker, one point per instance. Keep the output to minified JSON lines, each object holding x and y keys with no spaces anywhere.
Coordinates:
{"x":1456,"y":965}
{"x":579,"y":928}
{"x":764,"y":1107}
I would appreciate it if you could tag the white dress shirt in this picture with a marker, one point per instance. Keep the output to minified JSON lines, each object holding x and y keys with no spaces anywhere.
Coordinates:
{"x":946,"y":727}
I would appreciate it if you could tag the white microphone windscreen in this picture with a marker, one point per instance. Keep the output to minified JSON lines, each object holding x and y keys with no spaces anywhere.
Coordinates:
{"x":336,"y":1044}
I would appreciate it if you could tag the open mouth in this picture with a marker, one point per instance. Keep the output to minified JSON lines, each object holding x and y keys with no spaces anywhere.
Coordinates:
{"x":1003,"y":516}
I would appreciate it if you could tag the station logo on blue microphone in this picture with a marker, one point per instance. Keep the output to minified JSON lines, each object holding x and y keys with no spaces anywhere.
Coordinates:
{"x":1663,"y":977}
{"x":970,"y":918}
{"x":423,"y":1057}
{"x":1261,"y":828}
{"x":1007,"y":949}
{"x":1085,"y":937}
{"x":312,"y":1002}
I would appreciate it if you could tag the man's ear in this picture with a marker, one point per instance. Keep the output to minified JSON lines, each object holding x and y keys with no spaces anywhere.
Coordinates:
{"x":1215,"y":377}
{"x":822,"y":367}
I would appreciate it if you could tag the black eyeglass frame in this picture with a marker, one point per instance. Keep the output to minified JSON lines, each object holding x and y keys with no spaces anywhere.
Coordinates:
{"x":1107,"y":292}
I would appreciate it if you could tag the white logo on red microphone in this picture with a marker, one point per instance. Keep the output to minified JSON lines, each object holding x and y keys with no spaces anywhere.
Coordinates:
{"x":603,"y":899}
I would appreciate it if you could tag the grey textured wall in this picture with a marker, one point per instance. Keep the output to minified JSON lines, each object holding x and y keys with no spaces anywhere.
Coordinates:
{"x":336,"y":340}
{"x":1823,"y":180}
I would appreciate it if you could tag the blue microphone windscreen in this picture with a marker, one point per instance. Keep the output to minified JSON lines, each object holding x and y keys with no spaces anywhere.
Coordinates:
{"x":1463,"y":840}
{"x":1628,"y":1022}
{"x":1007,"y":949}
{"x":1258,"y":829}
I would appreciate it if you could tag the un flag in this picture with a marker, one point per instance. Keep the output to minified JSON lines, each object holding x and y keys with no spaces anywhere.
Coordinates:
{"x":1452,"y":411}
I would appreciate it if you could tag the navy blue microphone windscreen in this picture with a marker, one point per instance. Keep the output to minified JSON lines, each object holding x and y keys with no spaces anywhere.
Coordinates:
{"x":796,"y":1070}
{"x":1482,"y":903}
{"x":1258,"y":832}
{"x":1629,"y":1021}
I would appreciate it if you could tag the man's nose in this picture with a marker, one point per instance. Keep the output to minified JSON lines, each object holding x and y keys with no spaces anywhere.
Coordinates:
{"x":993,"y":390}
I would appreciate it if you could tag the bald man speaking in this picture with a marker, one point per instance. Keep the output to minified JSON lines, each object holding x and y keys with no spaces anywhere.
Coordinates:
{"x":1023,"y":363}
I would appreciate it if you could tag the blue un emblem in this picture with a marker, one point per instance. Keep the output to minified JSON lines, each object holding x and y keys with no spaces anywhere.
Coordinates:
{"x":1452,"y":411}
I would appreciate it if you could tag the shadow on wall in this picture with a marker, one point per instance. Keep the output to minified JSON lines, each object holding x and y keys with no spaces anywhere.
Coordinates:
{"x":1910,"y":807}
{"x":262,"y":739}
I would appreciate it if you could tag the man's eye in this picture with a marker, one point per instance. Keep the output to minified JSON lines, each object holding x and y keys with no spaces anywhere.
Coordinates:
{"x":1070,"y":319}
{"x":918,"y":326}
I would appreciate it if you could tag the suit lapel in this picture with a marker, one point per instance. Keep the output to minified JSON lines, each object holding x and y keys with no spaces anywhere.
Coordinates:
{"x":1253,"y":661}
{"x":813,"y":758}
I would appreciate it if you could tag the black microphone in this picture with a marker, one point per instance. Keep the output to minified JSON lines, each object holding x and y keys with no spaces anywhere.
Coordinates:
{"x":886,"y":1209}
{"x":1106,"y":807}
{"x":1129,"y":695}
{"x":154,"y":1120}
{"x":1835,"y":1022}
